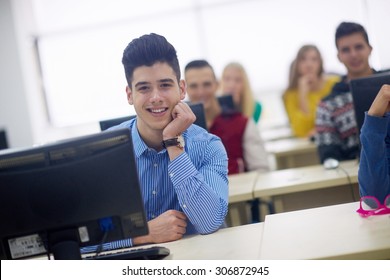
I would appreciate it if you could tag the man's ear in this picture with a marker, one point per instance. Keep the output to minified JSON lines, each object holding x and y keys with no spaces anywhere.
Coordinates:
{"x":370,"y":49}
{"x":338,"y":57}
{"x":129,"y":94}
{"x":182,"y":87}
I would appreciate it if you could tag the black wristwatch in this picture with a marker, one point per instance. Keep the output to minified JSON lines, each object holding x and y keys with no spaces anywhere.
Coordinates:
{"x":176,"y":141}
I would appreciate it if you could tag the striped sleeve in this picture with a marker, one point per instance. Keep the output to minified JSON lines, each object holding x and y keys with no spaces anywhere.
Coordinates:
{"x":202,"y":191}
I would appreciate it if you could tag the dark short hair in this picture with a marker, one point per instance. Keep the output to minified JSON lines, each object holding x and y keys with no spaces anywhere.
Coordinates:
{"x":197,"y":64}
{"x":348,"y":28}
{"x":146,"y":51}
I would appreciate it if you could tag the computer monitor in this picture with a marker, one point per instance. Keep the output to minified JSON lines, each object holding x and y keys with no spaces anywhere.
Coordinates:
{"x":197,"y":108}
{"x":106,"y":124}
{"x":364,"y":91}
{"x":3,"y":140}
{"x":59,"y":197}
{"x":226,"y":101}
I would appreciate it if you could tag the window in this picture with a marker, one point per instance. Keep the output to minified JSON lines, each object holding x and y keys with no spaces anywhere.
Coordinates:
{"x":81,"y":44}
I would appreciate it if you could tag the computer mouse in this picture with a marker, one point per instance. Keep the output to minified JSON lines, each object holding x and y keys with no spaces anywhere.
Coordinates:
{"x":331,"y":163}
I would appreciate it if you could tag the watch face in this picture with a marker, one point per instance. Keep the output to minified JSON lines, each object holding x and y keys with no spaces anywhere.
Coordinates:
{"x":180,"y":139}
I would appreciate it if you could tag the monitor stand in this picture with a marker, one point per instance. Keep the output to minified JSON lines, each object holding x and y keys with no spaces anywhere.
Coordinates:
{"x":64,"y":245}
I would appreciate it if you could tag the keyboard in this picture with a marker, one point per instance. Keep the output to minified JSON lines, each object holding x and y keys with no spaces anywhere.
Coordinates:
{"x":151,"y":253}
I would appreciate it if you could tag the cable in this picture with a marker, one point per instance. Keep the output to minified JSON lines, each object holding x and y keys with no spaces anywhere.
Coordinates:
{"x":106,"y":225}
{"x":99,"y":249}
{"x":349,"y":182}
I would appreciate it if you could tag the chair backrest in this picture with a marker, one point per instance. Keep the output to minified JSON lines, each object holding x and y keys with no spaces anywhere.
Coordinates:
{"x":197,"y":108}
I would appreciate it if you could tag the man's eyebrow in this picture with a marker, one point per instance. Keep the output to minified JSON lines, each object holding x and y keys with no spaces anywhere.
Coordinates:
{"x":168,"y":80}
{"x":141,"y":84}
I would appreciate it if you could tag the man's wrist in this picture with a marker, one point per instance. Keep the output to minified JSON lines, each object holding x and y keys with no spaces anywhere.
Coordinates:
{"x":177,"y":141}
{"x":145,"y":239}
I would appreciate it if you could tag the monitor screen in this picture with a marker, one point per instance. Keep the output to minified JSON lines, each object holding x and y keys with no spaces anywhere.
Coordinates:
{"x":106,"y":124}
{"x":198,"y":110}
{"x":364,"y":91}
{"x":3,"y":140}
{"x":226,"y":102}
{"x":59,"y":197}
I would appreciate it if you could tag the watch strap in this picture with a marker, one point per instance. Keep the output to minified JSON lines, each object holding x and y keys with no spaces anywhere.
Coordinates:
{"x":170,"y":142}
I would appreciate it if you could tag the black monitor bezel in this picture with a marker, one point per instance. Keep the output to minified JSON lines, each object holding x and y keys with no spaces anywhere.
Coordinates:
{"x":90,"y":151}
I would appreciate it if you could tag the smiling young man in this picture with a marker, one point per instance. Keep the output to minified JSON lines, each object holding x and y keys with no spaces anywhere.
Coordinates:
{"x":336,"y":128}
{"x":182,"y":168}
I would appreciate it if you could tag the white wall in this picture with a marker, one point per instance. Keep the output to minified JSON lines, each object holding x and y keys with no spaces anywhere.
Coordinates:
{"x":262,"y":34}
{"x":14,"y":111}
{"x":23,"y":111}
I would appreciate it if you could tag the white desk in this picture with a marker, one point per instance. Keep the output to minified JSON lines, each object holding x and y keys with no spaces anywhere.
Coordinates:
{"x":241,"y":186}
{"x":273,"y":134}
{"x":235,"y":243}
{"x":332,"y":232}
{"x":293,"y":152}
{"x":311,"y":186}
{"x":240,"y":191}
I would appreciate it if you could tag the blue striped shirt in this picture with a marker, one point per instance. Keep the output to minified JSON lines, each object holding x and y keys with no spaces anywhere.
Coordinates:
{"x":195,"y":182}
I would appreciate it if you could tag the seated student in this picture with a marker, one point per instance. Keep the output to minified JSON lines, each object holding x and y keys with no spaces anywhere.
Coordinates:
{"x":239,"y":134}
{"x":235,"y":82}
{"x":307,"y":86}
{"x":337,"y":132}
{"x":374,"y":167}
{"x":182,"y":168}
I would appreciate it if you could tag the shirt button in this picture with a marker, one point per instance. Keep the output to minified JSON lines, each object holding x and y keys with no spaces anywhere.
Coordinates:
{"x":153,"y":216}
{"x":170,"y":174}
{"x":184,"y":206}
{"x":154,"y":192}
{"x":155,"y":165}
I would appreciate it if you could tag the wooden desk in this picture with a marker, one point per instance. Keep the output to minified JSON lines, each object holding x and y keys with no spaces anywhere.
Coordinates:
{"x":332,"y":232}
{"x":307,"y":187}
{"x":293,"y":152}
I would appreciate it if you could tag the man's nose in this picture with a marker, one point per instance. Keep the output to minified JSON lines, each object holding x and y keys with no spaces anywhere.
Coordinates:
{"x":353,"y":52}
{"x":156,"y":95}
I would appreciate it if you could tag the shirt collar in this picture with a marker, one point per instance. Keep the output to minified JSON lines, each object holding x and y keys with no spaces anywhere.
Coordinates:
{"x":139,"y":145}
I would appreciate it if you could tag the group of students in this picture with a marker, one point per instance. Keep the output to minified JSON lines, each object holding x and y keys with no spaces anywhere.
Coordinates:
{"x":321,"y":107}
{"x":183,"y":169}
